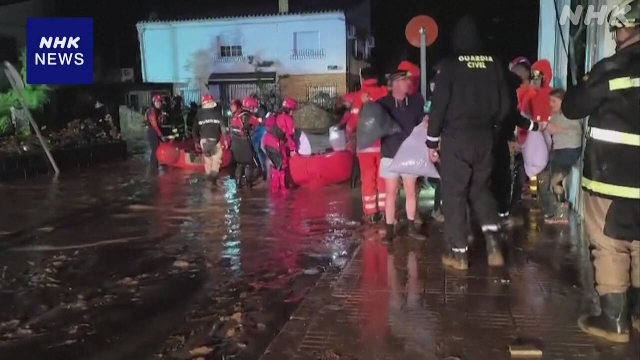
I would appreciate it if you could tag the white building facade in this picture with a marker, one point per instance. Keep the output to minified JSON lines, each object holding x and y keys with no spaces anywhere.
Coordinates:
{"x":302,"y":53}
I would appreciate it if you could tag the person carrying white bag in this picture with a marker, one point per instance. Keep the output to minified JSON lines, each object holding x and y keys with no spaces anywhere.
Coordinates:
{"x":412,"y":157}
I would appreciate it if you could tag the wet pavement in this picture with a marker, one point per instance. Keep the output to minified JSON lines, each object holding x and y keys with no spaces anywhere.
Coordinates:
{"x":399,"y":303}
{"x":117,"y":263}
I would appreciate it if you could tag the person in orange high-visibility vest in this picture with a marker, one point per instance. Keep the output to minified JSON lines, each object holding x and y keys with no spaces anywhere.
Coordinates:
{"x":372,"y":185}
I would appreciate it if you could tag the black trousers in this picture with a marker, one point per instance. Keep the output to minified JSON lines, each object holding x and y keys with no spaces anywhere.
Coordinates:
{"x":465,"y":168}
{"x":501,"y":178}
{"x":154,"y":141}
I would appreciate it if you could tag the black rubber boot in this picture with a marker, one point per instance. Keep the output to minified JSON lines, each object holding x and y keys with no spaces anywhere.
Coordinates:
{"x":388,"y":236}
{"x":213,"y":178}
{"x":634,"y":306}
{"x":494,"y":251}
{"x":239,"y":174}
{"x":457,"y":260}
{"x":414,"y":231}
{"x":613,"y":322}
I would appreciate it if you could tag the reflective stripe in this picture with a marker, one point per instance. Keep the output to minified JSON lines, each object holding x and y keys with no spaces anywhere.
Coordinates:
{"x":382,"y":196}
{"x":434,"y":139}
{"x":616,"y":137}
{"x":369,"y":198}
{"x":370,"y":206}
{"x":355,"y":111}
{"x":613,"y":190}
{"x":623,"y":83}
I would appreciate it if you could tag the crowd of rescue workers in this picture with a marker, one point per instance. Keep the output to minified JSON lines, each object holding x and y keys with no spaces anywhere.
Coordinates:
{"x":471,"y":118}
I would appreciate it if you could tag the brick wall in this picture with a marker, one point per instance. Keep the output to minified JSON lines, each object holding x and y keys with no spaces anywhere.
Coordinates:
{"x":297,"y":86}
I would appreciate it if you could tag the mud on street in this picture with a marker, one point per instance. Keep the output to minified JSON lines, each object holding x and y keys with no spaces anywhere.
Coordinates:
{"x":116,"y":263}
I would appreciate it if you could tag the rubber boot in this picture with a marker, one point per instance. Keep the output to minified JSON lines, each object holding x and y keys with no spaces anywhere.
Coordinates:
{"x":282,"y":181}
{"x":456,"y":259}
{"x":239,"y":174}
{"x":274,"y":180}
{"x":414,"y":231}
{"x":494,"y":252}
{"x":634,"y":306}
{"x":248,"y":174}
{"x":613,"y":322}
{"x":213,"y":178}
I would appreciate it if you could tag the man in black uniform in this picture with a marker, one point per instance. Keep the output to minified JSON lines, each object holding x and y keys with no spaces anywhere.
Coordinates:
{"x":470,"y":102}
{"x":207,"y":133}
{"x":610,"y":96}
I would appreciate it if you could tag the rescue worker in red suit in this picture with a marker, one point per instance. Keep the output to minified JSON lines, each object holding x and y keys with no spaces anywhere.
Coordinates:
{"x":241,"y":125}
{"x":153,"y":119}
{"x":279,"y":145}
{"x":372,"y":185}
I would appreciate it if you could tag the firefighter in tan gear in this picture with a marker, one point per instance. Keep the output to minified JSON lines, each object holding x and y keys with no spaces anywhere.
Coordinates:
{"x":610,"y":96}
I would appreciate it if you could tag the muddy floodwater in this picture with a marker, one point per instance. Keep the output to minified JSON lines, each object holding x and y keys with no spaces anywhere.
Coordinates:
{"x":119,"y":263}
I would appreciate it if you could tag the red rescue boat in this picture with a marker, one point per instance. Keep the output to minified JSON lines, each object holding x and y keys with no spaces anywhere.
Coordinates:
{"x":323,"y":169}
{"x":182,"y":154}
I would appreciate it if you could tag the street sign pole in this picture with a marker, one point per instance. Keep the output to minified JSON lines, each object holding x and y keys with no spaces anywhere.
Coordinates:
{"x":423,"y":63}
{"x":16,"y":83}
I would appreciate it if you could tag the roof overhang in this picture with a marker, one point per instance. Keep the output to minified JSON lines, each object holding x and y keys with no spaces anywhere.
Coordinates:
{"x":242,"y":77}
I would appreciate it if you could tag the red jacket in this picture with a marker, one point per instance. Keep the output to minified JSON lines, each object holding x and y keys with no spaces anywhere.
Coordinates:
{"x":286,"y":124}
{"x":242,"y":123}
{"x":154,"y":118}
{"x":541,"y":111}
{"x":375,"y":92}
{"x":535,"y":102}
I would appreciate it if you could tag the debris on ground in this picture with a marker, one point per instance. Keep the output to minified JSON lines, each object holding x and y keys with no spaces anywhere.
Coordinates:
{"x":525,"y":351}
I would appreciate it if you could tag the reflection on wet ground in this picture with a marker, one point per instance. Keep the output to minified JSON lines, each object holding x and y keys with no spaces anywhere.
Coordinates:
{"x":117,"y":263}
{"x":399,"y":303}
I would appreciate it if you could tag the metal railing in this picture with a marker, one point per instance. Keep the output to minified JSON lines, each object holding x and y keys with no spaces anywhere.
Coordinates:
{"x":322,"y":95}
{"x":308,"y":54}
{"x":218,"y":59}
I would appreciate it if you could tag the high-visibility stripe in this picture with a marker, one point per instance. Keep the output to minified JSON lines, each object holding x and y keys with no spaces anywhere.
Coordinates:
{"x":616,"y":137}
{"x":623,"y":83}
{"x":370,"y":206}
{"x":369,"y":198}
{"x":613,"y":190}
{"x":382,"y":196}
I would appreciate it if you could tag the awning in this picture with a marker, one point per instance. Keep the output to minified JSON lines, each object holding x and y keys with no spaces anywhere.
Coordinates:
{"x":242,"y":77}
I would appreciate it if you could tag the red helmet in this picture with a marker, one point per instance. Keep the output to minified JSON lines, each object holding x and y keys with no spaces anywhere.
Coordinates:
{"x":289,"y":103}
{"x":249,"y":103}
{"x":348,"y":97}
{"x":206,"y":98}
{"x":237,"y":103}
{"x":156,"y":98}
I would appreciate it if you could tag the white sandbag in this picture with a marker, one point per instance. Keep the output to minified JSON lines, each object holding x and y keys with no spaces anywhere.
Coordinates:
{"x":305,"y":146}
{"x":535,"y":153}
{"x":413,"y":157}
{"x":337,"y":139}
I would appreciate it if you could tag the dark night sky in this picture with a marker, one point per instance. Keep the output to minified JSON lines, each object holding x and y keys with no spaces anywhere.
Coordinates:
{"x":512,"y":25}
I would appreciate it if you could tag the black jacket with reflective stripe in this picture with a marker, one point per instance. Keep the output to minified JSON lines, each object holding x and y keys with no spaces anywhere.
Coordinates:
{"x":610,"y":96}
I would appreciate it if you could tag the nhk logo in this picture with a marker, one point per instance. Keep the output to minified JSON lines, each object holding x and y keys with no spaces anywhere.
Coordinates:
{"x":592,"y":15}
{"x":59,"y":51}
{"x":53,"y":58}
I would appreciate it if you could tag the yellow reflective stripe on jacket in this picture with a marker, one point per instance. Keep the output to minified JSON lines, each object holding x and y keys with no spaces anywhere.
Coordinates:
{"x":623,"y":83}
{"x":616,"y":137}
{"x":613,"y":190}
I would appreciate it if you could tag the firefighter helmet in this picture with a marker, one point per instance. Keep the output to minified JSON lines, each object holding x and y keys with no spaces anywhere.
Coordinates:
{"x":206,"y":99}
{"x":290,"y":104}
{"x":625,"y":15}
{"x":249,"y":103}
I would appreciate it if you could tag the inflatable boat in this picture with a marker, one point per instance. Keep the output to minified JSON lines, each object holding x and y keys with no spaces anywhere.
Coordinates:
{"x":322,"y":169}
{"x":183,"y":154}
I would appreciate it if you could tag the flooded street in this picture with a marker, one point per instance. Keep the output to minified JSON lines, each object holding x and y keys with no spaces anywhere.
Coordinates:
{"x":116,"y":263}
